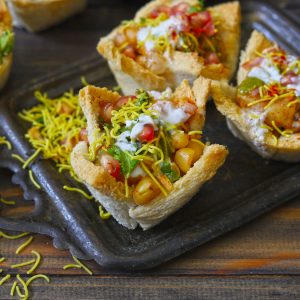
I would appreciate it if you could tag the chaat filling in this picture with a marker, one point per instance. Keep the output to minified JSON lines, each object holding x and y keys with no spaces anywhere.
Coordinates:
{"x":270,"y":94}
{"x":181,"y":27}
{"x":6,"y":44}
{"x":147,"y":141}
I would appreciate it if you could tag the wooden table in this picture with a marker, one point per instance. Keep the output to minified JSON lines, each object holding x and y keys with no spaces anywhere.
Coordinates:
{"x":259,"y":261}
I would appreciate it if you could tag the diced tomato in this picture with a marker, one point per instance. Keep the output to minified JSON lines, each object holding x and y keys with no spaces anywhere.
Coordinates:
{"x":255,"y":93}
{"x":273,"y":90}
{"x":123,"y":100}
{"x":212,"y":58}
{"x":105,"y":111}
{"x":184,"y":23}
{"x":83,"y":135}
{"x":289,"y":78}
{"x":111,"y":165}
{"x":180,"y":8}
{"x":158,"y":10}
{"x":209,"y":29}
{"x":130,"y":52}
{"x":252,"y":63}
{"x":147,"y":134}
{"x":189,"y":108}
{"x":199,"y":20}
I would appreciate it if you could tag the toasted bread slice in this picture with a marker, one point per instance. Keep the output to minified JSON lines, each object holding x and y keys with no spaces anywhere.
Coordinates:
{"x":240,"y":121}
{"x":37,"y":15}
{"x":5,"y":24}
{"x":111,"y":193}
{"x":130,"y":75}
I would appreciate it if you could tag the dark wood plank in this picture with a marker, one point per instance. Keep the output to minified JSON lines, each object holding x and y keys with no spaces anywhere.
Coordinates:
{"x":269,"y":245}
{"x":167,"y":288}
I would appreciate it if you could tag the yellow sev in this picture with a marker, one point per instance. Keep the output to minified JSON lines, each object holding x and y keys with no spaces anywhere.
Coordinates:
{"x":154,"y":152}
{"x":56,"y":125}
{"x":4,"y":141}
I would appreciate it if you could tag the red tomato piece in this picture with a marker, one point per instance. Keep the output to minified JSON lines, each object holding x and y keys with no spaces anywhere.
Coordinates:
{"x":160,"y":9}
{"x":212,"y":58}
{"x":255,"y":93}
{"x":83,"y":135}
{"x":198,"y":20}
{"x":189,"y":108}
{"x":105,"y":111}
{"x":185,"y":23}
{"x":111,"y":165}
{"x":289,"y":78}
{"x":123,"y":100}
{"x":147,"y":134}
{"x":180,"y":8}
{"x":252,"y":63}
{"x":209,"y":29}
{"x":130,"y":52}
{"x":273,"y":90}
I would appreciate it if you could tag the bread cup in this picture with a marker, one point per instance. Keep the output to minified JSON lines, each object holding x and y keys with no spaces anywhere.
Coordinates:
{"x":155,"y":69}
{"x":37,"y":15}
{"x":126,"y":206}
{"x":6,"y":44}
{"x":264,"y":110}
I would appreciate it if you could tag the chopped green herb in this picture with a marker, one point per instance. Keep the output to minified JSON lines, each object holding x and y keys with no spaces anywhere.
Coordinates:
{"x":166,"y":169}
{"x":249,"y":84}
{"x":125,"y":160}
{"x":197,"y":8}
{"x":142,"y":97}
{"x":6,"y":43}
{"x":117,"y":88}
{"x":83,"y":81}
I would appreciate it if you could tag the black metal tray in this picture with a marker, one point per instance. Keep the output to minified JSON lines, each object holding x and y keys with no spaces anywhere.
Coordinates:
{"x":245,"y":187}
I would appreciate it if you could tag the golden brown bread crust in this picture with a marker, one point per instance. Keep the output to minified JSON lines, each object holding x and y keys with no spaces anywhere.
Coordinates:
{"x":97,"y":178}
{"x":90,"y":98}
{"x":95,"y":175}
{"x":287,"y":148}
{"x":204,"y":169}
{"x":37,"y":15}
{"x":5,"y":24}
{"x":130,"y":75}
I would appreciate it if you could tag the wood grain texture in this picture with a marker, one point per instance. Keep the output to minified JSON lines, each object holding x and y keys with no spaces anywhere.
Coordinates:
{"x":259,"y":261}
{"x":167,"y":288}
{"x":268,"y":245}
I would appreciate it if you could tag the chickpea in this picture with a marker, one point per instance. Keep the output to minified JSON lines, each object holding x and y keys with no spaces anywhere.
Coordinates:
{"x":198,"y":149}
{"x":156,"y":63}
{"x":184,"y":159}
{"x":145,"y":191}
{"x":120,"y":39}
{"x":164,"y":180}
{"x":131,"y":35}
{"x":142,"y":60}
{"x":180,"y":140}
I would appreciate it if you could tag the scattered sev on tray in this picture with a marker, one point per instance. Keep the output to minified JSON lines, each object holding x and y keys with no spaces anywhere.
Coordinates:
{"x":56,"y":127}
